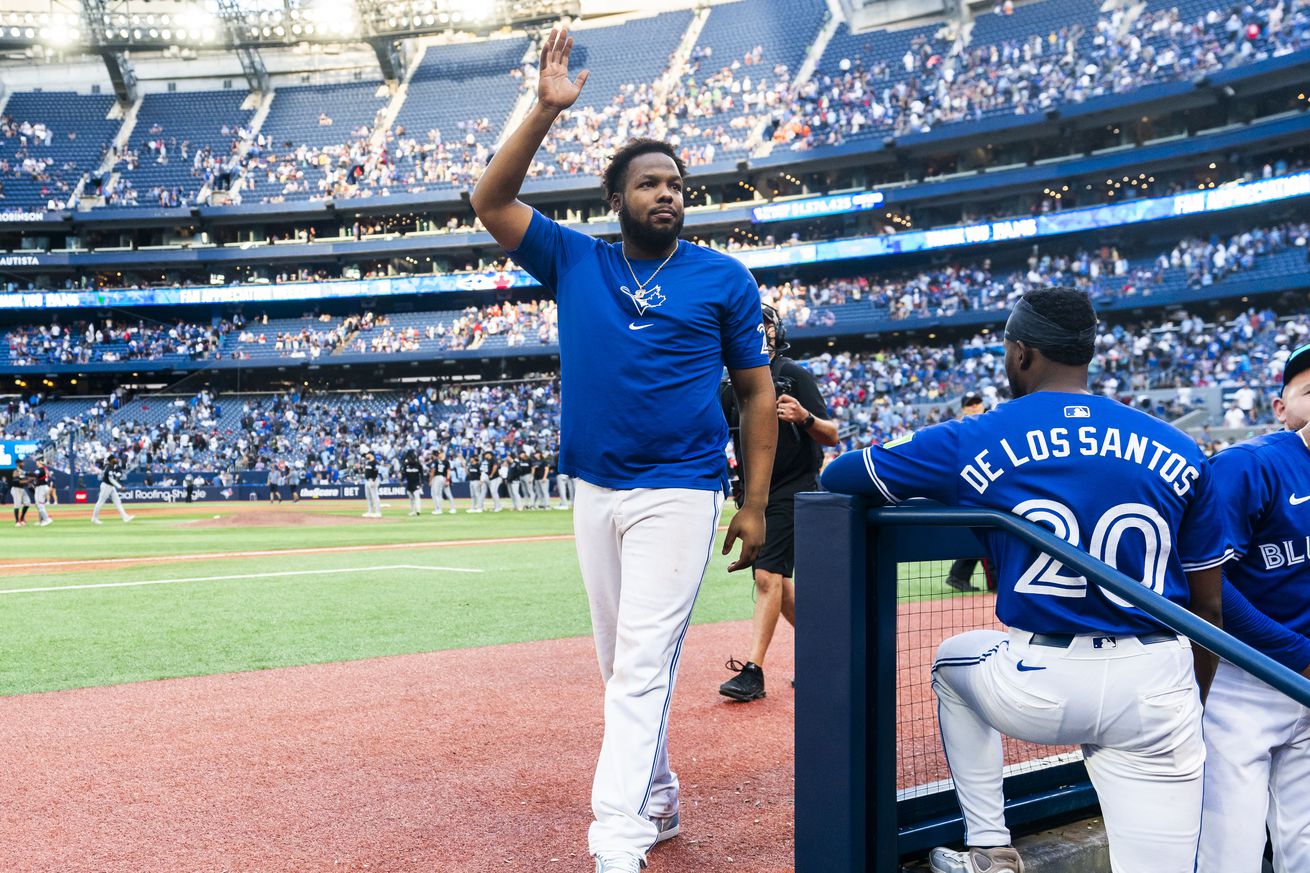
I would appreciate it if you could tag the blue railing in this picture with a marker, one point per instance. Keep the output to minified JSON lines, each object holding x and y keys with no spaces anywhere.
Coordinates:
{"x":848,"y":816}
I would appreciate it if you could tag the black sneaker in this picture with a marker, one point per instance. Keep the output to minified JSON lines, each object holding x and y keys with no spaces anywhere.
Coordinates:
{"x":747,"y":685}
{"x":960,"y":584}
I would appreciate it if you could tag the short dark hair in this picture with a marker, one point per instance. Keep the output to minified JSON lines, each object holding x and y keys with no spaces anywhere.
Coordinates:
{"x":971,"y":400}
{"x":1071,"y":309}
{"x":616,"y":173}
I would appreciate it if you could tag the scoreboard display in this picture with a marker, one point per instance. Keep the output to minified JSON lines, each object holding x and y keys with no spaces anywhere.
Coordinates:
{"x":14,"y":452}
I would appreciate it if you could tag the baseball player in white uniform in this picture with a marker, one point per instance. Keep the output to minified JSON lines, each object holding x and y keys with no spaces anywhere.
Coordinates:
{"x":1078,"y":665}
{"x":646,"y":326}
{"x":111,"y":482}
{"x":1257,"y":772}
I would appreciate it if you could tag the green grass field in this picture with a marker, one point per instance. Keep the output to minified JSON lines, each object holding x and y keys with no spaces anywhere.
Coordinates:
{"x":214,"y":615}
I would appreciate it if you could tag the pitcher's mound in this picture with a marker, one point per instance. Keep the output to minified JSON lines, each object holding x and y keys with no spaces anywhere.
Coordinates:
{"x":279,"y":518}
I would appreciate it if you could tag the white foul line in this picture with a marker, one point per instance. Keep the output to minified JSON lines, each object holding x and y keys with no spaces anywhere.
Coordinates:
{"x":240,"y":576}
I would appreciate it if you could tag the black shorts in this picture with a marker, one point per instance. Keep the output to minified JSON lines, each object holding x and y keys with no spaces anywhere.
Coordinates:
{"x":779,"y":552}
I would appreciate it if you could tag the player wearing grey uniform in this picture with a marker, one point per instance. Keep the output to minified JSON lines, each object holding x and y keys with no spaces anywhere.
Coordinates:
{"x":111,"y":482}
{"x":372,"y":479}
{"x":479,"y":475}
{"x":439,"y":483}
{"x":499,"y":471}
{"x":18,"y":493}
{"x":540,"y":481}
{"x":563,"y":484}
{"x":41,"y":480}
{"x":519,"y":472}
{"x":293,"y":481}
{"x":1078,"y":665}
{"x":1257,"y":769}
{"x":412,"y":470}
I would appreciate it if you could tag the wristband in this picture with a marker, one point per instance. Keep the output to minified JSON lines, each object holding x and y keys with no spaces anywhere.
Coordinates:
{"x":808,"y":422}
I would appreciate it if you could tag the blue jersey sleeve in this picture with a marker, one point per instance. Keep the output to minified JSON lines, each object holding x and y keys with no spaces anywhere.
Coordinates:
{"x":1246,"y":623}
{"x":744,"y":342}
{"x":549,"y":249}
{"x":920,"y":465}
{"x":1237,"y":473}
{"x":1203,"y":540}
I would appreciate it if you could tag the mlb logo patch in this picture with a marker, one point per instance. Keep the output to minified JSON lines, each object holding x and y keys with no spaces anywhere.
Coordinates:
{"x":1077,"y":412}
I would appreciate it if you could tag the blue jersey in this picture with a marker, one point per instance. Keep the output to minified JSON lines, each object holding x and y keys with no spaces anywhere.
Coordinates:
{"x":1266,"y":488}
{"x":1127,"y":488}
{"x":640,"y":367}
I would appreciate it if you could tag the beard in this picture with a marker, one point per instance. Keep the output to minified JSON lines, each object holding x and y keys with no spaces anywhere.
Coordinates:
{"x":645,"y":235}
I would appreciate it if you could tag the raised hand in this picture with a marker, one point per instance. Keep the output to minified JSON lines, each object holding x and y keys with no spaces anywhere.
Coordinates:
{"x":554,"y":90}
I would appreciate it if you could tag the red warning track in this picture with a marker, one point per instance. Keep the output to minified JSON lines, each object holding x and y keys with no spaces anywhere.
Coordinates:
{"x":474,"y":760}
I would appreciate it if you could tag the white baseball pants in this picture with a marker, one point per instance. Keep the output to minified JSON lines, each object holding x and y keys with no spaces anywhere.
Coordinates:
{"x":416,"y":500}
{"x":372,"y":496}
{"x":542,"y":487}
{"x":564,"y":485}
{"x":494,"y":487}
{"x":643,"y":554}
{"x":42,"y":498}
{"x":108,"y":492}
{"x":477,"y":494}
{"x":1257,"y":773}
{"x":440,"y":488}
{"x":1133,"y":707}
{"x":516,"y":494}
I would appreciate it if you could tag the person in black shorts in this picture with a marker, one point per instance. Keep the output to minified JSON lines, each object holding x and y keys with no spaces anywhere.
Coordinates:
{"x":803,"y":430}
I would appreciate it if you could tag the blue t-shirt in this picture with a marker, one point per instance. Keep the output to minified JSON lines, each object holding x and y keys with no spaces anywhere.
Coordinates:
{"x":1127,"y":488}
{"x":640,"y":369}
{"x":1266,"y":488}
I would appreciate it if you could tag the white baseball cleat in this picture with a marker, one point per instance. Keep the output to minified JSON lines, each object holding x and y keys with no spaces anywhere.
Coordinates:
{"x":45,"y":522}
{"x":1002,"y":859}
{"x":436,"y":512}
{"x":618,"y":864}
{"x":129,"y":518}
{"x":96,"y":521}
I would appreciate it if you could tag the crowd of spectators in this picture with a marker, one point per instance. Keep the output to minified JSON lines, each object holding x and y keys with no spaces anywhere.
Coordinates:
{"x":1105,"y":273}
{"x":946,"y":81}
{"x":1163,"y":366}
{"x":30,"y":158}
{"x":107,"y":341}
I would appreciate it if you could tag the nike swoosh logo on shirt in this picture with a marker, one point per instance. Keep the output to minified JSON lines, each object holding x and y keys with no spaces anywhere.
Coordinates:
{"x":632,"y":325}
{"x":1297,"y":501}
{"x":1024,"y":668}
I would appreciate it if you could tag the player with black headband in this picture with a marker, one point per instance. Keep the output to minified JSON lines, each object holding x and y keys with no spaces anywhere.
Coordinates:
{"x":803,"y":431}
{"x":1078,"y":665}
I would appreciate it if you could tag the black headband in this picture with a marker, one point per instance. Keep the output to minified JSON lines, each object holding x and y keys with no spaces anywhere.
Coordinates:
{"x":1028,"y":326}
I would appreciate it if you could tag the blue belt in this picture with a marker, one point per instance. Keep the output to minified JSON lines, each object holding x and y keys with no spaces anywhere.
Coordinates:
{"x":1064,"y":641}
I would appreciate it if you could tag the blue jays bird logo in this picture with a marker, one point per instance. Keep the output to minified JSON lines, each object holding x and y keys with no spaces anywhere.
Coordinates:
{"x":644,"y":298}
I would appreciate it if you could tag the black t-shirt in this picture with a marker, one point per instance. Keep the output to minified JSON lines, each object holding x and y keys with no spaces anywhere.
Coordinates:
{"x":538,"y":469}
{"x":441,"y":469}
{"x":42,"y":476}
{"x":413,"y":474}
{"x":371,"y":471}
{"x":798,"y":458}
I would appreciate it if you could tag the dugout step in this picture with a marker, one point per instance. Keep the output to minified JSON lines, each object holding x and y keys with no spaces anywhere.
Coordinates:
{"x":1078,"y":847}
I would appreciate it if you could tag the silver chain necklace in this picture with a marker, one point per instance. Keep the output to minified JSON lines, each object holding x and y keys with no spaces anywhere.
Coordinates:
{"x":641,"y":286}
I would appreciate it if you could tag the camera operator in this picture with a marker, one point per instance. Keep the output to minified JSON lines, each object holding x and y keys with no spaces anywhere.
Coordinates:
{"x":803,"y":429}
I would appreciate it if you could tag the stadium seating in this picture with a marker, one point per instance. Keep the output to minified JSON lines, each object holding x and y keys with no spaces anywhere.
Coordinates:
{"x":79,"y":132}
{"x":195,"y":150}
{"x":307,"y":125}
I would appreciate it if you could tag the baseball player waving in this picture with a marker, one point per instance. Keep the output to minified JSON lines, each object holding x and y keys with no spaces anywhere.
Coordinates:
{"x":111,"y":482}
{"x":1257,"y":771}
{"x":1078,"y":664}
{"x":646,"y":326}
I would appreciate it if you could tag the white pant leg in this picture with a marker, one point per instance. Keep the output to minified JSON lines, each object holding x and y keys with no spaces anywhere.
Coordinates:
{"x":643,"y":555}
{"x":118,"y":504}
{"x":42,"y":497}
{"x":415,"y":500}
{"x":543,"y":494}
{"x":1133,"y":707}
{"x":516,"y":494}
{"x":478,"y":491}
{"x":434,"y":488}
{"x":973,"y":747}
{"x":101,"y":499}
{"x":371,"y":495}
{"x":1289,"y":791}
{"x":564,"y":485}
{"x":1239,"y":738}
{"x":450,"y":495}
{"x":494,"y":488}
